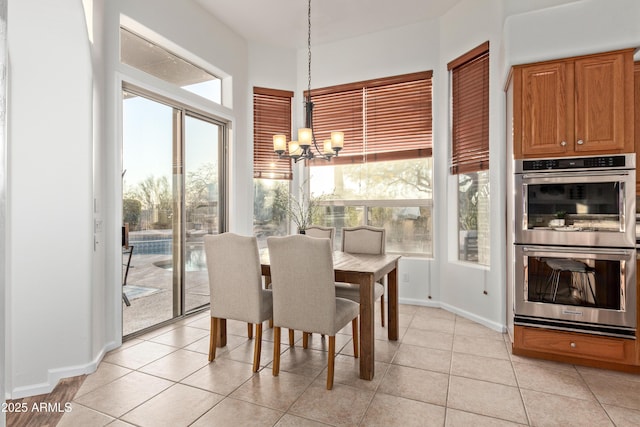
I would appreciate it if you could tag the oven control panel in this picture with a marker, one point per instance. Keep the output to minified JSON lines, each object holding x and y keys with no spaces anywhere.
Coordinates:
{"x":597,"y":162}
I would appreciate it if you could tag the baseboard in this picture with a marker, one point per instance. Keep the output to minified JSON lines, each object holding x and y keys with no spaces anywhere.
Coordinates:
{"x":498,"y":327}
{"x":421,"y":302}
{"x":437,"y":304}
{"x":55,"y":375}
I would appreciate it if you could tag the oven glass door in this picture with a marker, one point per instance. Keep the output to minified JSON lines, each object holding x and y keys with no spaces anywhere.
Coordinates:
{"x":576,"y":208}
{"x":584,"y":285}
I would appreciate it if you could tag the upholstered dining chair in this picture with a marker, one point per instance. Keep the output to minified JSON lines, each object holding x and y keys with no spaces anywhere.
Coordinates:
{"x":304,"y":295}
{"x":235,"y":282}
{"x":317,"y":231}
{"x":363,"y":239}
{"x":320,"y":231}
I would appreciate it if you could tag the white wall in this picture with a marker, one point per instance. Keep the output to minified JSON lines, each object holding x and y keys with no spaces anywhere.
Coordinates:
{"x":577,"y":28}
{"x":3,"y":190}
{"x":49,"y":223}
{"x":474,"y":291}
{"x":271,"y":67}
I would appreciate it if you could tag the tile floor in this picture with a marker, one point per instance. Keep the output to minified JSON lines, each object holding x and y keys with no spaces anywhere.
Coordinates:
{"x":444,"y":371}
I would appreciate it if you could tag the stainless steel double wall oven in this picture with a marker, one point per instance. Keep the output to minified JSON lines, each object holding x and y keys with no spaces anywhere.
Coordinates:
{"x":575,"y":244}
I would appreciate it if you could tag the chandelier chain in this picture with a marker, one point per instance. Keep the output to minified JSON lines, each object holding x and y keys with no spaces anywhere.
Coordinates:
{"x":309,"y":49}
{"x":307,"y":144}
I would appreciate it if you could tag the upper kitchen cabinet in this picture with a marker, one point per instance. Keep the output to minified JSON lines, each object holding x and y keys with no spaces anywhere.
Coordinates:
{"x":636,"y":91}
{"x":574,"y":106}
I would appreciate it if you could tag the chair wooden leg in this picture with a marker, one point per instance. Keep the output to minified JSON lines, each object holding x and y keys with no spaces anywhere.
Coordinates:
{"x":267,"y":285}
{"x":305,"y":339}
{"x":257,"y":347}
{"x":275,"y":368}
{"x":250,"y":330}
{"x":212,"y":338}
{"x":382,"y":309}
{"x":330,"y":362}
{"x":354,"y":332}
{"x":291,"y":337}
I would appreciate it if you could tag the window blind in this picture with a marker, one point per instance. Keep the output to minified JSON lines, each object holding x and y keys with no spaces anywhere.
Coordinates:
{"x":271,"y":116}
{"x":470,"y":111}
{"x":383,"y":119}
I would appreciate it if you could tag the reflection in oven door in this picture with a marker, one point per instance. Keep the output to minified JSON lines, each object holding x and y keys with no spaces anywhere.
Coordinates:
{"x":574,"y":288}
{"x":587,"y":208}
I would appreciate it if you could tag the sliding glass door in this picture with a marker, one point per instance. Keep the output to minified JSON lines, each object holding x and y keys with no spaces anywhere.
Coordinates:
{"x":173,"y":190}
{"x":202,"y":203}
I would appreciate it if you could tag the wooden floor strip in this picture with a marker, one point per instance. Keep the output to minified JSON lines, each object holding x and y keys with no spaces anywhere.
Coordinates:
{"x":44,"y":410}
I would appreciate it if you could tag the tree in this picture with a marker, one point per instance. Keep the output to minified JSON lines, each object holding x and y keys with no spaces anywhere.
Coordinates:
{"x":154,"y":193}
{"x":131,"y":209}
{"x":409,"y":179}
{"x":200,"y":189}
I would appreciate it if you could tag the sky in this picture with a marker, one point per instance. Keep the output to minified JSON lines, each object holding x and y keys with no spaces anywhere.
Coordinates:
{"x":147,"y":141}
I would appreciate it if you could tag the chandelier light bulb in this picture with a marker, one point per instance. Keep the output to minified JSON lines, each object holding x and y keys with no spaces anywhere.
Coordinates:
{"x":337,"y":140}
{"x":279,"y":143}
{"x":327,"y":148}
{"x":295,"y":149}
{"x":305,"y":137}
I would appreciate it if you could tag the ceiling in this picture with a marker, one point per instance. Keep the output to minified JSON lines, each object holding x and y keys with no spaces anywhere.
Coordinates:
{"x":284,"y":22}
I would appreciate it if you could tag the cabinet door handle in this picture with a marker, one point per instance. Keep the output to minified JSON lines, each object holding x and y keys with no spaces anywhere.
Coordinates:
{"x":573,"y":345}
{"x":563,"y":143}
{"x":580,"y":142}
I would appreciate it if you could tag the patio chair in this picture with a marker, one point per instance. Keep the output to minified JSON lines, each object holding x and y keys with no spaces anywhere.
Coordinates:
{"x":127,"y":251}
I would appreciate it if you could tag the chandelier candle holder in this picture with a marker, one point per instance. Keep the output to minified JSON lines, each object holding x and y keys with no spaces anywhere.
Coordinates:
{"x":306,"y":147}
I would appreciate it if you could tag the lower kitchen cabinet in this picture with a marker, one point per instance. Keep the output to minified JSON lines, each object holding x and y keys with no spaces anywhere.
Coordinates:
{"x":592,"y":350}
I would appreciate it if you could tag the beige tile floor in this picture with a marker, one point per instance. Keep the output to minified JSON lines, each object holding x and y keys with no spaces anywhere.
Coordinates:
{"x":444,"y":371}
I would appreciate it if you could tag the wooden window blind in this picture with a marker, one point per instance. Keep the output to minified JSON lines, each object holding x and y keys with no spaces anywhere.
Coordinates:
{"x":271,"y":116}
{"x":383,"y":119}
{"x":339,"y":111}
{"x":470,"y":110}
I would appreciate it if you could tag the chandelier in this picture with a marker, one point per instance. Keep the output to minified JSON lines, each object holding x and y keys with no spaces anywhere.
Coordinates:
{"x":306,"y":147}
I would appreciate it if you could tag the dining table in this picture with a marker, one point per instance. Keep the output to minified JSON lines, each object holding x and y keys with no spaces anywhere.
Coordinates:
{"x":363,"y":270}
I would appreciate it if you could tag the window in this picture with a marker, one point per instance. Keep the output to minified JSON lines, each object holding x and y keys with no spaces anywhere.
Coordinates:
{"x":271,"y":115}
{"x":470,"y":151}
{"x":159,"y":62}
{"x":383,"y":177}
{"x":382,"y":119}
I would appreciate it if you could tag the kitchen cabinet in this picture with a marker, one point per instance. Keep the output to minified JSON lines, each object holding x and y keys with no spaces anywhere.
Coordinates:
{"x":636,"y":121}
{"x":574,"y":106}
{"x":577,"y":348}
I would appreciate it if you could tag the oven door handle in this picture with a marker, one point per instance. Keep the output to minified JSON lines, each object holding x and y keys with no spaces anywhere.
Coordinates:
{"x":577,"y":250}
{"x":609,"y":174}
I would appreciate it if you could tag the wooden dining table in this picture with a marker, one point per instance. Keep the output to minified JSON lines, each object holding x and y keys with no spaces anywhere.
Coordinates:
{"x":364,"y":270}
